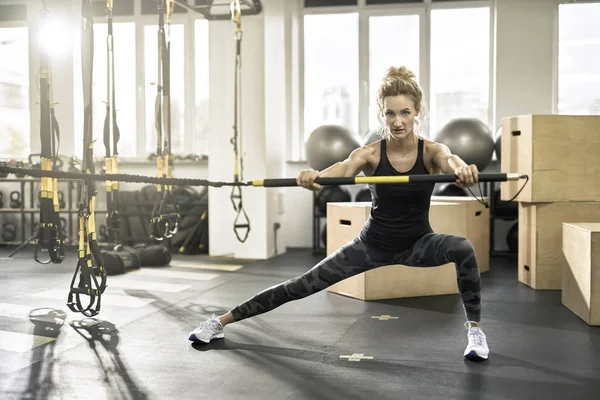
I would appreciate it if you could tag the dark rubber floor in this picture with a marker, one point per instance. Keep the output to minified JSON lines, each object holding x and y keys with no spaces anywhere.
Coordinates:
{"x":137,"y":347}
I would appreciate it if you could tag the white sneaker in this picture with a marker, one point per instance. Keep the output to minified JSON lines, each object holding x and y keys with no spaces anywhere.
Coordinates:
{"x":208,"y":330}
{"x":477,"y":349}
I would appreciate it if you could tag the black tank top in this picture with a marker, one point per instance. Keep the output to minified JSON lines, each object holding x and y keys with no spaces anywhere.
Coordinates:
{"x":400,"y":212}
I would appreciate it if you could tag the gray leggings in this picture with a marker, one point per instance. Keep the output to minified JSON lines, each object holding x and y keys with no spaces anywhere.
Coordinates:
{"x":356,"y":257}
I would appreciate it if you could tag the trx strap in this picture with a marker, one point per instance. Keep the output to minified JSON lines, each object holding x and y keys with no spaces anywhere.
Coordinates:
{"x":49,"y":236}
{"x":164,"y":224}
{"x":90,"y":259}
{"x":241,"y":221}
{"x":111,"y":137}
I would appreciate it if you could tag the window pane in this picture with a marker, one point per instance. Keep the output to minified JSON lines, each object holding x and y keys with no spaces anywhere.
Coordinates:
{"x":385,"y":51}
{"x":201,"y":118}
{"x":124,"y":57}
{"x":177,"y":86}
{"x":579,"y":60}
{"x":330,"y":71}
{"x":14,"y":93}
{"x":460,"y":65}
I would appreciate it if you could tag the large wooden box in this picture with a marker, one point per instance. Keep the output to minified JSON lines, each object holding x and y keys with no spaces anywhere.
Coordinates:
{"x":581,"y":277}
{"x":559,"y":153}
{"x":478,"y":226}
{"x":344,"y":222}
{"x":541,"y":261}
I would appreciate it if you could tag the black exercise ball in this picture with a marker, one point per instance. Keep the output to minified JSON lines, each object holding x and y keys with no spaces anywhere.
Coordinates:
{"x":470,"y":139}
{"x":331,"y":194}
{"x":512,"y":238}
{"x":363,"y":195}
{"x":329,"y":144}
{"x":324,"y":234}
{"x":505,"y":209}
{"x":448,"y":189}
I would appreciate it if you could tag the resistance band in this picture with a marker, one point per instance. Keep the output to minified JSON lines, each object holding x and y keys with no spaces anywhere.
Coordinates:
{"x":111,"y":137}
{"x":276,"y":182}
{"x":241,"y":221}
{"x":162,"y":224}
{"x":49,"y":235}
{"x":90,"y":261}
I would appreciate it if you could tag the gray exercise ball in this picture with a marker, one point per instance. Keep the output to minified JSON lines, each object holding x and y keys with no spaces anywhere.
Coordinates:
{"x":329,"y":144}
{"x":373,"y":136}
{"x":470,"y":139}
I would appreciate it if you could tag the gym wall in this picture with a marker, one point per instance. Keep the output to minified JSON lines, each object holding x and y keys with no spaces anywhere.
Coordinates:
{"x":525,"y":70}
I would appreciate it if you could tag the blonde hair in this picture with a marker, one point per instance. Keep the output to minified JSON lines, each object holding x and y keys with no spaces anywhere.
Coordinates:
{"x":402,"y":81}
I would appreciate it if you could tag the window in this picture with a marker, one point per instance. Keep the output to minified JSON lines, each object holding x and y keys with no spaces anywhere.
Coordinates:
{"x":330,"y":71}
{"x":460,"y":65}
{"x":124,"y":60}
{"x":14,"y":92}
{"x":201,"y":113}
{"x":579,"y":64}
{"x":177,"y":86}
{"x":393,"y":41}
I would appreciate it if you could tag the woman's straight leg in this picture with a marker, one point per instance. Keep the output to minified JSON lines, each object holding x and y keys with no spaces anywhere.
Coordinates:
{"x":351,"y":259}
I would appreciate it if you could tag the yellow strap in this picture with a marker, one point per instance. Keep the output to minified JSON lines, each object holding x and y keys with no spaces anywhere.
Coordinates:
{"x":92,"y":218}
{"x":236,"y":14}
{"x":170,"y":8}
{"x":115,"y":170}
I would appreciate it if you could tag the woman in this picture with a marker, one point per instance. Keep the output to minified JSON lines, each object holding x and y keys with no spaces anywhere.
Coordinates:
{"x":398,"y":230}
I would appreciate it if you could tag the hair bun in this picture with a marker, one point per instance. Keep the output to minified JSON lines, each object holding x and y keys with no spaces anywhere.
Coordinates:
{"x":400,"y":72}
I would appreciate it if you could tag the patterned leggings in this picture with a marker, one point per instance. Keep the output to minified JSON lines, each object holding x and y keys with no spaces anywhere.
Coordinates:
{"x":356,"y":257}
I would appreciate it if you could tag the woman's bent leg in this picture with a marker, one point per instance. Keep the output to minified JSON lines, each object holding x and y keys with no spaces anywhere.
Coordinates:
{"x":438,"y":249}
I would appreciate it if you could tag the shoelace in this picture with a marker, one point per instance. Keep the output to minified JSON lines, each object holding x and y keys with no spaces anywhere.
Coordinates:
{"x":476,"y":336}
{"x":213,"y":324}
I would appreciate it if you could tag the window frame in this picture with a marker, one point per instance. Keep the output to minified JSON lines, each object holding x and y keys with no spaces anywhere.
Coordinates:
{"x":296,"y":150}
{"x":556,"y":52}
{"x":492,"y":38}
{"x":140,"y":20}
{"x":188,"y":22}
{"x":424,"y":70}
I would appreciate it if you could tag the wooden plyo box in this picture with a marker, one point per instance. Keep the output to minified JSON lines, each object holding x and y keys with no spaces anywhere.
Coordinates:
{"x":581,"y":277}
{"x":478,"y":226}
{"x":559,"y":153}
{"x":541,"y":261}
{"x":344,"y":222}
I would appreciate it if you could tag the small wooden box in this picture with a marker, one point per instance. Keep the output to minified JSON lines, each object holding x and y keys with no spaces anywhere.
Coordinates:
{"x":344,"y":222}
{"x":541,"y":261}
{"x":581,"y":277}
{"x":559,"y":153}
